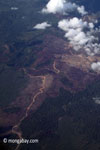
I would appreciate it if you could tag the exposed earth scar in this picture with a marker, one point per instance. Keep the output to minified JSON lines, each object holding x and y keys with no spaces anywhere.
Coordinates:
{"x":55,"y":69}
{"x":16,"y":128}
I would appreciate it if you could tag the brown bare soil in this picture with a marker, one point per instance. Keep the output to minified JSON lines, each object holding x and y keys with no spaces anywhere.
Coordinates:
{"x":55,"y":61}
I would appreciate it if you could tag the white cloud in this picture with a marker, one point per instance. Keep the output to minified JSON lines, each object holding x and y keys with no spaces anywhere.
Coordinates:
{"x":43,"y":25}
{"x":58,"y":6}
{"x":95,"y":66}
{"x":62,"y":6}
{"x":97,"y":101}
{"x":54,"y":6}
{"x":81,"y":10}
{"x":74,"y":32}
{"x":81,"y":34}
{"x":14,"y":8}
{"x":73,"y":23}
{"x":91,"y":25}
